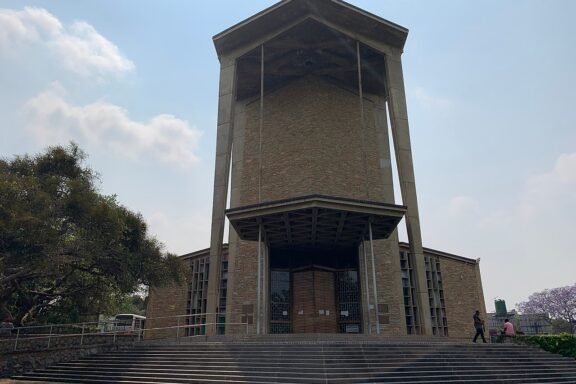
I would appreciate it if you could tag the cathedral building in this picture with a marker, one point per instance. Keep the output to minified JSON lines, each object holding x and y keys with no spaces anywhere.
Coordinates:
{"x":312,"y":118}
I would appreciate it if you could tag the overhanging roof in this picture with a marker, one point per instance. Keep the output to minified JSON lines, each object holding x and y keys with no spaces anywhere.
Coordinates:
{"x":287,"y":12}
{"x":310,"y":49}
{"x":315,"y":220}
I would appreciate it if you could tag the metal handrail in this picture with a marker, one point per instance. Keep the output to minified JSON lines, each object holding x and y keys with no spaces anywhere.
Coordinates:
{"x":139,"y":331}
{"x":188,"y":326}
{"x":106,"y":321}
{"x":190,"y":315}
{"x":61,"y":324}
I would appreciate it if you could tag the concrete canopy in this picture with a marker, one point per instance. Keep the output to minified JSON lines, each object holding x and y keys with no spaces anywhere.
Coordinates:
{"x":315,"y":220}
{"x":261,"y":27}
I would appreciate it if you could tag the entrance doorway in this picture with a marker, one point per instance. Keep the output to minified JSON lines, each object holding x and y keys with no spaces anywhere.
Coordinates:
{"x":314,"y":290}
{"x":314,"y":309}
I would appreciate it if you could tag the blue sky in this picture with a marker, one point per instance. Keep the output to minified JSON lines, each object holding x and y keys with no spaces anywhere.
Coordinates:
{"x":491,"y":100}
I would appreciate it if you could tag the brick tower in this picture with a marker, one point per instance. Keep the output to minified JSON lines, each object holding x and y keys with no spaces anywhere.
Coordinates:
{"x":307,"y":88}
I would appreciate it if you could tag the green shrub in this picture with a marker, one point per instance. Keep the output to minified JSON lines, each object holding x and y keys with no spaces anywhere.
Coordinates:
{"x":563,"y":344}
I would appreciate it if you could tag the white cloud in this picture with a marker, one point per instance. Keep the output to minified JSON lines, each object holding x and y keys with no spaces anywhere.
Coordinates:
{"x":79,"y":47}
{"x":566,"y":168}
{"x":431,"y":102}
{"x":461,"y":206}
{"x":496,"y":220}
{"x":555,"y":189}
{"x":51,"y":120}
{"x":181,"y":234}
{"x":26,"y":26}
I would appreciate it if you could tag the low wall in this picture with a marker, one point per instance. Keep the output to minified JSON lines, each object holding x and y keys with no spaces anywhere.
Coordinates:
{"x":32,"y":354}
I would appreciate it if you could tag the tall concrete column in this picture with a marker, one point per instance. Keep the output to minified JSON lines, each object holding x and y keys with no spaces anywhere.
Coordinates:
{"x":402,"y":148}
{"x":226,"y":101}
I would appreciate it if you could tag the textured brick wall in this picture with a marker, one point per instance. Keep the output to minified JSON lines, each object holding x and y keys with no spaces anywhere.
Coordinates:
{"x":242,"y":282}
{"x":311,"y":143}
{"x":389,"y":289}
{"x":463,"y":295}
{"x":386,"y":253}
{"x":168,"y":301}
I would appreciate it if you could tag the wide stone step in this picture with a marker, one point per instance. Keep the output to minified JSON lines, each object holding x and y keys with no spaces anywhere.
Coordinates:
{"x":303,"y":356}
{"x":289,"y":354}
{"x":183,"y":342}
{"x":328,"y":359}
{"x":218,"y":346}
{"x":324,"y":358}
{"x":331,"y":373}
{"x":316,"y":363}
{"x":480,"y":377}
{"x":325,"y":352}
{"x":479,"y":350}
{"x":326,"y":349}
{"x":310,"y":350}
{"x":39,"y":378}
{"x":279,"y":365}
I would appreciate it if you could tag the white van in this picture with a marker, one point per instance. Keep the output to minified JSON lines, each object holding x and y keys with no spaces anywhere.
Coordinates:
{"x":128,"y":322}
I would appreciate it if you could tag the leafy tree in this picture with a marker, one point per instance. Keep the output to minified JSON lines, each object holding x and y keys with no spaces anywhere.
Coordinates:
{"x":560,"y":326}
{"x":133,"y":303}
{"x":67,"y":251}
{"x":558,"y":303}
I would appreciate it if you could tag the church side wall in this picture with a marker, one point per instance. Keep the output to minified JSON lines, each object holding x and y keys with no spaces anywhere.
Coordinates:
{"x":168,"y":302}
{"x":463,"y":295}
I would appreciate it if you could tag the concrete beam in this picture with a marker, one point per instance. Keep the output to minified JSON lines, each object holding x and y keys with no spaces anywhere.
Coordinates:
{"x":401,"y":136}
{"x":221,"y":176}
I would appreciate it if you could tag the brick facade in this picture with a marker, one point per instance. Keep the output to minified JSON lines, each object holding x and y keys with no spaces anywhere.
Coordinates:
{"x":462,"y":289}
{"x":320,"y":152}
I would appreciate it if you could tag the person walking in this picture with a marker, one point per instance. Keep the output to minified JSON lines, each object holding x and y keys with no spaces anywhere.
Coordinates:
{"x":479,"y":325}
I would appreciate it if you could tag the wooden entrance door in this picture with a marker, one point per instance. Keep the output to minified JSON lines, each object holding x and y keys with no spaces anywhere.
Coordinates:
{"x":314,"y":303}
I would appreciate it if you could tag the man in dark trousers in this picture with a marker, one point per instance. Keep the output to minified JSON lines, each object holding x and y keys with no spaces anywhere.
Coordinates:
{"x":479,"y":325}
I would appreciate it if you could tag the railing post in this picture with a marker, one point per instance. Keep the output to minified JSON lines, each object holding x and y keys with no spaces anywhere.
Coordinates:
{"x":16,"y":341}
{"x":82,"y":336}
{"x":114,"y":340}
{"x":50,"y":336}
{"x":178,"y":329}
{"x":140,"y":331}
{"x":259,"y":277}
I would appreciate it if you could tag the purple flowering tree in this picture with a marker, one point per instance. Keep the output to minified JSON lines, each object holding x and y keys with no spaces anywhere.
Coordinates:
{"x":558,"y":303}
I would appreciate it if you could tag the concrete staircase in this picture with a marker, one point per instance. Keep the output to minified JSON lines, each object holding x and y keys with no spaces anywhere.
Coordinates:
{"x":315,"y":361}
